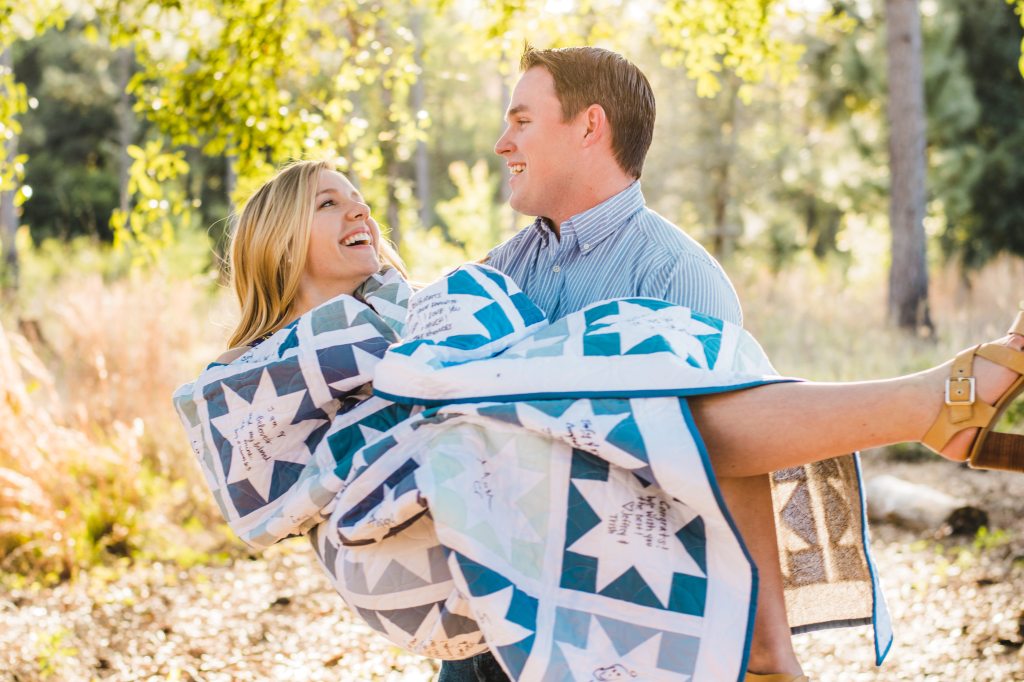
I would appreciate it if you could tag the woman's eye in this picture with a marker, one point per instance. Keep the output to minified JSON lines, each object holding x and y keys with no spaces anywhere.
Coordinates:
{"x":326,"y":203}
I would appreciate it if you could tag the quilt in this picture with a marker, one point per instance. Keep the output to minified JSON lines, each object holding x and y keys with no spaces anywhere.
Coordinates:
{"x":535,"y":488}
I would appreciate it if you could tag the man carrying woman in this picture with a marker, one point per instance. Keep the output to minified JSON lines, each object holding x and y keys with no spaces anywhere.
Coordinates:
{"x":579,"y":125}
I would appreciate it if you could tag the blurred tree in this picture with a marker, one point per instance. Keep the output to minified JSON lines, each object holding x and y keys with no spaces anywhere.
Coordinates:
{"x":720,"y":117}
{"x":18,"y":21}
{"x":1019,"y":11}
{"x":72,"y":135}
{"x":908,"y":272}
{"x":400,"y":92}
{"x":263,"y":82}
{"x":976,"y":154}
{"x":8,"y":213}
{"x":127,"y":126}
{"x":829,"y":139}
{"x":726,"y":36}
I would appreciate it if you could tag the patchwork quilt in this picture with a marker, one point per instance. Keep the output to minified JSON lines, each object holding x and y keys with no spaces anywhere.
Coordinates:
{"x":533,"y":488}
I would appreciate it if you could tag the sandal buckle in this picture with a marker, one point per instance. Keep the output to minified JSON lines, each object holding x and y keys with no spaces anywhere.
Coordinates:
{"x":960,"y":380}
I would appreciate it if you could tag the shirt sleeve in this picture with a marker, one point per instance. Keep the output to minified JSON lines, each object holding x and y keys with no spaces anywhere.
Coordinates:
{"x":500,"y":256}
{"x":697,"y":283}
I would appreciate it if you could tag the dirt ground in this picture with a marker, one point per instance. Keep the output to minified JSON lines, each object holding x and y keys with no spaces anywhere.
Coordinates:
{"x":957,"y":603}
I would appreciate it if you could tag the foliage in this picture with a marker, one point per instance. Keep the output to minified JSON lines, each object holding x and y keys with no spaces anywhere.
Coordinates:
{"x":264,"y":82}
{"x":978,"y":164}
{"x":159,"y":203}
{"x":473,"y":224}
{"x":785,"y":159}
{"x":736,"y":36}
{"x":92,"y":465}
{"x":19,"y":20}
{"x":53,"y":650}
{"x":70,"y":134}
{"x":1018,"y":8}
{"x":472,"y":218}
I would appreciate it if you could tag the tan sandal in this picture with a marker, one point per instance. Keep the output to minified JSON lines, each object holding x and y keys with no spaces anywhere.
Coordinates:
{"x":775,"y":677}
{"x":990,"y":450}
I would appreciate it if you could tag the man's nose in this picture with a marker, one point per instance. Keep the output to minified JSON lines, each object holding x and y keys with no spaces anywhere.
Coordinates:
{"x":503,"y":145}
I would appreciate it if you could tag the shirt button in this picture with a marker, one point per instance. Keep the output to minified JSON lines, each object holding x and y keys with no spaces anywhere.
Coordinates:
{"x":586,"y":247}
{"x":556,"y":269}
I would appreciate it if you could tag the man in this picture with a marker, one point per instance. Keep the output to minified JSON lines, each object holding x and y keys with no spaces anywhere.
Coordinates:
{"x":580,"y":123}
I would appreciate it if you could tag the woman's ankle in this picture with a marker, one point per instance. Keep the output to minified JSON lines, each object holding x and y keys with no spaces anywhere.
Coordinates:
{"x":990,"y":380}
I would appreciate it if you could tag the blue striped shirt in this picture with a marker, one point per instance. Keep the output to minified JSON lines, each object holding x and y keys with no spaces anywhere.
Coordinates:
{"x":616,"y":249}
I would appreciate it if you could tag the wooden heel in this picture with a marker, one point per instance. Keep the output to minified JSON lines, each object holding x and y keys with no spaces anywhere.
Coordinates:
{"x":1001,"y":451}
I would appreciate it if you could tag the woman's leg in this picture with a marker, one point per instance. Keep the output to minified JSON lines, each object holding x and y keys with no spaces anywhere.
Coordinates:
{"x":777,"y":426}
{"x":751,"y":433}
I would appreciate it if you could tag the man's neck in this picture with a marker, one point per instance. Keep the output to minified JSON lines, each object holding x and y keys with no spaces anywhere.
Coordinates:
{"x":590,"y":196}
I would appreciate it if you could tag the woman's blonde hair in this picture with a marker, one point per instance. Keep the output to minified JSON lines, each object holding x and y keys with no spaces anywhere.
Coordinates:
{"x":268,"y":250}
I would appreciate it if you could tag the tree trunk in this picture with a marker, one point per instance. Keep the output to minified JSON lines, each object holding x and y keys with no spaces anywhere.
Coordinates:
{"x":230,"y":177}
{"x":721,"y":118}
{"x":392,"y":169}
{"x":8,"y":214}
{"x":418,"y":103}
{"x":393,"y":214}
{"x":126,"y":124}
{"x":908,"y":276}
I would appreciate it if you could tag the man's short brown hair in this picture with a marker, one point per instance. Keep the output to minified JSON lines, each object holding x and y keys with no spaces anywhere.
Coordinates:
{"x":592,"y":75}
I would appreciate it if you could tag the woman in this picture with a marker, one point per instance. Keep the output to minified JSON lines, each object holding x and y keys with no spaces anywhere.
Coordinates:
{"x":280,"y":270}
{"x":306,"y":238}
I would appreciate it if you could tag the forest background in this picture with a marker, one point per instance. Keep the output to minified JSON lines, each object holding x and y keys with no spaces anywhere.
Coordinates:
{"x":867,"y":232}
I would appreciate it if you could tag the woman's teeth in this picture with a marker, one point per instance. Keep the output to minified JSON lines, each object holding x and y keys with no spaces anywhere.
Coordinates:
{"x":517,"y":168}
{"x":357,"y":238}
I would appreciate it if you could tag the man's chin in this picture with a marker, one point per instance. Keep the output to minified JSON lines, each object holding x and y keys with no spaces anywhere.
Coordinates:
{"x":519,"y":205}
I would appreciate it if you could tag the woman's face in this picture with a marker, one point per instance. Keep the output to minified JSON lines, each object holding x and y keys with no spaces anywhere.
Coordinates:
{"x":344,"y":240}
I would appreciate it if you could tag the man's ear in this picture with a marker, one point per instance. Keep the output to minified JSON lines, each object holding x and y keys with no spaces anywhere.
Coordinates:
{"x":596,"y":122}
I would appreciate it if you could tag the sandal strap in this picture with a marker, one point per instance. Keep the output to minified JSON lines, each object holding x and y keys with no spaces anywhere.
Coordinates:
{"x":1010,"y":358}
{"x":944,"y":428}
{"x":966,"y":412}
{"x":1018,"y":325}
{"x":961,"y":386}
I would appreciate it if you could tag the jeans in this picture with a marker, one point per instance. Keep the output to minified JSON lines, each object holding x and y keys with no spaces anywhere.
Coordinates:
{"x":481,"y":668}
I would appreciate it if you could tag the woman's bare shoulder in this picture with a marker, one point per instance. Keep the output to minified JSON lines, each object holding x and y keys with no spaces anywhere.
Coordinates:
{"x":233,"y":354}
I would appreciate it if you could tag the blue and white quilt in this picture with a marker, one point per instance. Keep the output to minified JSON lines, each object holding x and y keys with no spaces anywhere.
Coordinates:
{"x":537,"y":489}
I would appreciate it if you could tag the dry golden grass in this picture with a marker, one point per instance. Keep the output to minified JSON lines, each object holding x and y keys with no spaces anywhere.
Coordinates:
{"x":93,"y":461}
{"x":818,"y":324}
{"x":43,"y":467}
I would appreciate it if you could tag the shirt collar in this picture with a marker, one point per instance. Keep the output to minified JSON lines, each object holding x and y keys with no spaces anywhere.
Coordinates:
{"x":543,"y":227}
{"x":600,"y":222}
